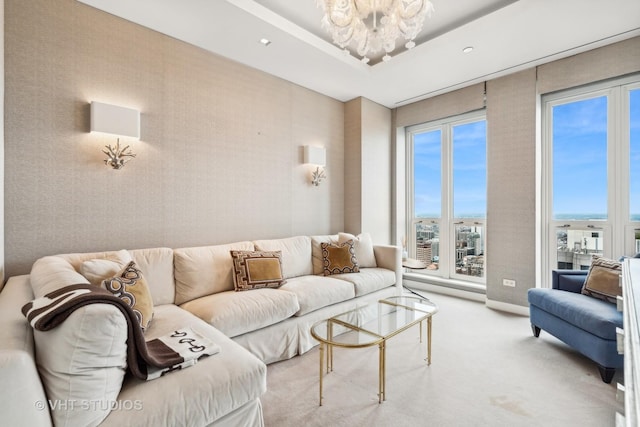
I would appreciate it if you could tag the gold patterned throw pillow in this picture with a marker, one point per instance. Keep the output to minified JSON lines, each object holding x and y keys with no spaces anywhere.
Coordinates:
{"x":603,"y":280}
{"x":257,"y":269}
{"x":339,"y":259}
{"x":131,"y":287}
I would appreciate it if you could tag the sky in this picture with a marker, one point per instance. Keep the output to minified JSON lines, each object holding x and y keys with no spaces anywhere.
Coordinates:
{"x":580,"y":158}
{"x":469,"y":172}
{"x":579,"y":163}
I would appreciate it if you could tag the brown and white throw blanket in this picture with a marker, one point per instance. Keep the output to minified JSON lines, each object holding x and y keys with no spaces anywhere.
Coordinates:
{"x":146,"y":360}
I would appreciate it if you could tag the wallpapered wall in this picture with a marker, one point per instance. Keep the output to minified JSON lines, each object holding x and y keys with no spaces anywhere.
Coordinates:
{"x":219,"y":160}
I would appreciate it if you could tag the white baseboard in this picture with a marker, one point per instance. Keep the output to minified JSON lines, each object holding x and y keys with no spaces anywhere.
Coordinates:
{"x":474,"y":296}
{"x":509,"y":308}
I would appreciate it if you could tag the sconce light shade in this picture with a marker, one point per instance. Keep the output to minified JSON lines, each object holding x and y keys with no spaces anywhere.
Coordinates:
{"x":315,"y":155}
{"x":115,"y":120}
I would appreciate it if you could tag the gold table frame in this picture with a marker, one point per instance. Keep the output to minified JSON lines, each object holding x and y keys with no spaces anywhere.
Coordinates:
{"x":323,"y":331}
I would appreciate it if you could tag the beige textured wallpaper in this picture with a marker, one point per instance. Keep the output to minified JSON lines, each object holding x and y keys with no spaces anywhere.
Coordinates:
{"x":603,"y":63}
{"x":511,"y":186}
{"x":376,"y":171}
{"x":368,"y":180}
{"x":219,"y":160}
{"x":2,"y":265}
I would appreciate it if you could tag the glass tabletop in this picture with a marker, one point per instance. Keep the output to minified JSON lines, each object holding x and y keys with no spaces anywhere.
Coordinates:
{"x":373,"y":323}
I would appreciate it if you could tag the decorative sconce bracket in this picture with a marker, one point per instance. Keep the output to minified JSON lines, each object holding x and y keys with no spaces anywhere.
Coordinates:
{"x":318,"y":176}
{"x":117,"y":157}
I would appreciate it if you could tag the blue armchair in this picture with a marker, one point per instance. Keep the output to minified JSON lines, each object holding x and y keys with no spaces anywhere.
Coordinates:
{"x":584,"y":323}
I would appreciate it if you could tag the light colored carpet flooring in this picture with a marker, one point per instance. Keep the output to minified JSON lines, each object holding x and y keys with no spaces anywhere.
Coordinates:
{"x":487,"y":370}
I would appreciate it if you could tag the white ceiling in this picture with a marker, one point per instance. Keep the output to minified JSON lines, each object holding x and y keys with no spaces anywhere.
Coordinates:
{"x":507,"y":36}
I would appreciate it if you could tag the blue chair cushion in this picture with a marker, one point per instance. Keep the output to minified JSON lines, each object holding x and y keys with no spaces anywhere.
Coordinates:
{"x":590,"y":314}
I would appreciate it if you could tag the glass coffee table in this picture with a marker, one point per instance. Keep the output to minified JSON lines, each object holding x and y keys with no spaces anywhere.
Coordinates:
{"x":371,"y":325}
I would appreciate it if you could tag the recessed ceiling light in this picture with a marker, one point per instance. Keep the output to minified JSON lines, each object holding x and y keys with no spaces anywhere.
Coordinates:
{"x":265,"y":42}
{"x":467,"y":49}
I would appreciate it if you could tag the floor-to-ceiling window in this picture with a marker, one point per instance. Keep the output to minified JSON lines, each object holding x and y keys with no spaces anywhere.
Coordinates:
{"x":447,"y":196}
{"x":591,"y":174}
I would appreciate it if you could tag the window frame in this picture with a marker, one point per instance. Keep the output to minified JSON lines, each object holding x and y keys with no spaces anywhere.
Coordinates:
{"x":618,"y":227}
{"x":447,"y":222}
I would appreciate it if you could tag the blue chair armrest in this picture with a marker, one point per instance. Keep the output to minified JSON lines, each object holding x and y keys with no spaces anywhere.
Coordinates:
{"x":568,"y":280}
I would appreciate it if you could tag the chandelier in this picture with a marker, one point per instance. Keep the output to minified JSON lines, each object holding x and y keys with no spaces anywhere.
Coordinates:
{"x":374,"y":25}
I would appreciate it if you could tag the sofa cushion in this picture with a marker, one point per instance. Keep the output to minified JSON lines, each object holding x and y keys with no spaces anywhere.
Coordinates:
{"x":339,"y":258}
{"x":363,"y":246}
{"x":53,"y":272}
{"x":131,"y":287}
{"x":603,"y":280}
{"x":157,"y":266}
{"x":236,"y":313}
{"x":314,"y":292}
{"x":83,"y":360}
{"x":205,"y":270}
{"x":369,"y":279}
{"x":197,"y":395}
{"x":257,"y":269}
{"x":296,"y":254}
{"x":316,"y":251}
{"x":590,"y":314}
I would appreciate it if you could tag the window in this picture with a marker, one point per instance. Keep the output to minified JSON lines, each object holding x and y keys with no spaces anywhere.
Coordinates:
{"x":591,"y":174}
{"x":447,"y":196}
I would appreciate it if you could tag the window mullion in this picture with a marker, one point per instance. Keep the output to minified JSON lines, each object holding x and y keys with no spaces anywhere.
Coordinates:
{"x":446,"y":231}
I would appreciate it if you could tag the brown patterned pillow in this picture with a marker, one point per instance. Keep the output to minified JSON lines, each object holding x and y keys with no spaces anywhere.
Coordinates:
{"x":603,"y":280}
{"x":340,"y":258}
{"x":131,"y":287}
{"x":257,"y":269}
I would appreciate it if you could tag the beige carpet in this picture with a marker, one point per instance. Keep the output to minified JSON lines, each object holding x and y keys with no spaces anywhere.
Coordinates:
{"x":487,"y":370}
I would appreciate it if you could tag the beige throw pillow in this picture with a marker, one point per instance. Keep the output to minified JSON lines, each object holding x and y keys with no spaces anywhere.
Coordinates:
{"x":340,"y":258}
{"x":603,"y":280}
{"x":363,"y":246}
{"x":97,"y":270}
{"x":257,"y":269}
{"x":131,"y":287}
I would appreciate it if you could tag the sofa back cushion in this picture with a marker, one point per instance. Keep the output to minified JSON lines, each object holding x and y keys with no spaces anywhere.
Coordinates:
{"x":156,"y":265}
{"x":296,"y":254}
{"x":205,"y":270}
{"x":53,"y":272}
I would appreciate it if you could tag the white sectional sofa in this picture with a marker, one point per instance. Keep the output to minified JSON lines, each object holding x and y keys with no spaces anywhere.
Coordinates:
{"x":64,"y":376}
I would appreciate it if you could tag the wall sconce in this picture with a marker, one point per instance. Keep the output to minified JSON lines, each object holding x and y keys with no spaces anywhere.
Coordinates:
{"x":316,"y":156}
{"x":115,"y":120}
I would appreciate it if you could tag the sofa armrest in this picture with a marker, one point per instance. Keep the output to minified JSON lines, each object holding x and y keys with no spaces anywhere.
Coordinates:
{"x":22,"y":396}
{"x":568,"y":280}
{"x":390,"y":257}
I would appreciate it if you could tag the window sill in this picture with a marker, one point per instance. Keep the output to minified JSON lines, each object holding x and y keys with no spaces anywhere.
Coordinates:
{"x":446,"y":283}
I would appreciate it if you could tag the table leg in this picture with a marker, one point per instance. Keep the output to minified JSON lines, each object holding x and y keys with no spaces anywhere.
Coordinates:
{"x":321,"y":373}
{"x":382,"y":373}
{"x":329,"y":348}
{"x":429,"y":341}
